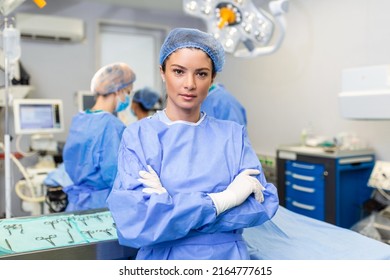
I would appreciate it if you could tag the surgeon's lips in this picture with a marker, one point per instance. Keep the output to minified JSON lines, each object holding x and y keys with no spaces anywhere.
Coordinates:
{"x":187,"y":97}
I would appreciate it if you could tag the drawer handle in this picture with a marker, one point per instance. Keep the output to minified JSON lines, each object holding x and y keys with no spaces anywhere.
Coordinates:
{"x":303,"y":189}
{"x":304,"y":166}
{"x":356,"y":160}
{"x":303,"y":206}
{"x":303,"y":177}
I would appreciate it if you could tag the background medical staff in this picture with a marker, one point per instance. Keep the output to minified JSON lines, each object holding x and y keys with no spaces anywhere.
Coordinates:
{"x":187,"y":183}
{"x":144,"y":102}
{"x":91,"y":149}
{"x":221,"y":104}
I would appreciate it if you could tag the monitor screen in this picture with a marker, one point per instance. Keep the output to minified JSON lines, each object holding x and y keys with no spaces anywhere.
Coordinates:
{"x":85,"y":100}
{"x":38,"y":116}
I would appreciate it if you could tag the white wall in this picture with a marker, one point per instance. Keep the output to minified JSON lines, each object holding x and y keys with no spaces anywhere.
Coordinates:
{"x":299,"y":84}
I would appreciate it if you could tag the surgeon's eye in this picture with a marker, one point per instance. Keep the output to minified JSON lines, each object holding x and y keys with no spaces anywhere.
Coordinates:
{"x":203,"y":74}
{"x":178,"y":71}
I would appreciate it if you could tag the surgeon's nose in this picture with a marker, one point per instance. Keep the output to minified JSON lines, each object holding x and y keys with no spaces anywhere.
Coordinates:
{"x":190,"y":82}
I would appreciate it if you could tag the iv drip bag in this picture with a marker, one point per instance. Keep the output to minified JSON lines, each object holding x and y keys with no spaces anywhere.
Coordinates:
{"x":11,"y":43}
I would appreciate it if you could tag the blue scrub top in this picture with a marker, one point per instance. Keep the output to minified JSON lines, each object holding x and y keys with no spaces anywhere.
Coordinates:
{"x":90,"y":158}
{"x":222,"y":105}
{"x":191,"y":160}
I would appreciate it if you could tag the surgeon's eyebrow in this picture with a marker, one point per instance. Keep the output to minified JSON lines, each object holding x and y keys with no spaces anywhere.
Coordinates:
{"x":185,"y":68}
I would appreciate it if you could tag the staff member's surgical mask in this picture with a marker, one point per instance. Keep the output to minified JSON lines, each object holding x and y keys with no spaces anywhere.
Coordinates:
{"x":122,"y":105}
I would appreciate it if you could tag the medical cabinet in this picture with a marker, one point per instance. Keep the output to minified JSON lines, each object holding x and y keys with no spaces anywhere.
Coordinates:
{"x":330,"y":186}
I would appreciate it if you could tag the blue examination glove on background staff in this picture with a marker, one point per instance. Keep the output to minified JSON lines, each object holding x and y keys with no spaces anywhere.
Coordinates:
{"x":58,"y":177}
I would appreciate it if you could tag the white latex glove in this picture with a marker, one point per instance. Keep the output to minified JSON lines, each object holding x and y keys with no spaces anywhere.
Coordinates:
{"x":238,"y":191}
{"x":152,"y":181}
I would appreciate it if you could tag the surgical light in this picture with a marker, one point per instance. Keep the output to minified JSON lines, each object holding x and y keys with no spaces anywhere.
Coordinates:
{"x":236,"y":22}
{"x":8,"y":6}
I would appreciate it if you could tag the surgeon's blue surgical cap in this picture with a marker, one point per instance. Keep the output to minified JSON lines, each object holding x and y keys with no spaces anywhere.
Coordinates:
{"x":147,"y":97}
{"x":111,"y":78}
{"x":192,"y":38}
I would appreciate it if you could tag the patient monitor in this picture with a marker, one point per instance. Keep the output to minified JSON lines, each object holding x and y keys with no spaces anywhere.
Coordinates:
{"x":39,"y":118}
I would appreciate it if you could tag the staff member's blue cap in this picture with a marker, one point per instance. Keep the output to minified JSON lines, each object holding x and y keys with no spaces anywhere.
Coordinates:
{"x":147,"y":97}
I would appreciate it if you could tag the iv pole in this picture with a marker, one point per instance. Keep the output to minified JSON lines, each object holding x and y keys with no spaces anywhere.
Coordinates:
{"x":7,"y":145}
{"x":11,"y":47}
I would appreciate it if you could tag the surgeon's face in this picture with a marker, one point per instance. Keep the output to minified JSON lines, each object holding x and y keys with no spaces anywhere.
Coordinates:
{"x":188,"y":76}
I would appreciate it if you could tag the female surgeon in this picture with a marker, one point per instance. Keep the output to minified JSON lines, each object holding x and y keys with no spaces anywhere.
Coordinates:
{"x":188,"y":184}
{"x":91,"y":149}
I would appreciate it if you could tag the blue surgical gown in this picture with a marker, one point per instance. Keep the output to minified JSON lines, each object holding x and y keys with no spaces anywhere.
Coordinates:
{"x":221,"y":104}
{"x":191,"y":161}
{"x":90,"y":158}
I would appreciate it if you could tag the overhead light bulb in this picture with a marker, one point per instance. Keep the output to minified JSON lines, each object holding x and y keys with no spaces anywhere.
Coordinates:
{"x":192,"y":6}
